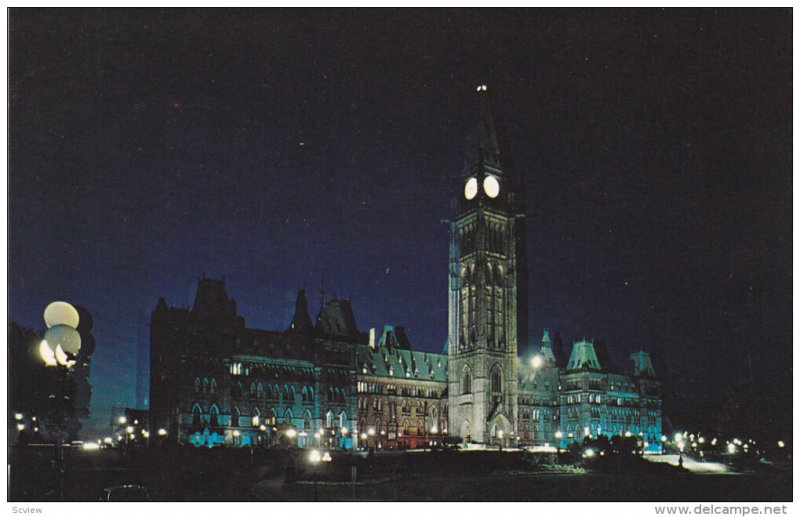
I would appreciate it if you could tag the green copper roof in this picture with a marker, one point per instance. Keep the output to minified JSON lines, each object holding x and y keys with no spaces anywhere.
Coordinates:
{"x":583,"y":356}
{"x":399,"y":363}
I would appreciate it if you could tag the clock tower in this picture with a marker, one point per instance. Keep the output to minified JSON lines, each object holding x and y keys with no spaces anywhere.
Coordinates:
{"x":486,"y":309}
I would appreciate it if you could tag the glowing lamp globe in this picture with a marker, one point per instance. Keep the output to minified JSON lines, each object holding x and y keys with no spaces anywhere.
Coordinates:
{"x":61,"y":313}
{"x":65,"y":337}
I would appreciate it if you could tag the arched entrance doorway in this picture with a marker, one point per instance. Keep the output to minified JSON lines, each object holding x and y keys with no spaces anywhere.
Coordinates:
{"x":500,"y":431}
{"x":466,"y":431}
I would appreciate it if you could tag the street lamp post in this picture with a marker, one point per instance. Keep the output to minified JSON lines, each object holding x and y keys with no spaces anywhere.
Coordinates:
{"x":59,"y":349}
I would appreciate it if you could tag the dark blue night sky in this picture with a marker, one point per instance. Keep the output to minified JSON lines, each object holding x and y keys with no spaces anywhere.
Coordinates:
{"x":281,"y":149}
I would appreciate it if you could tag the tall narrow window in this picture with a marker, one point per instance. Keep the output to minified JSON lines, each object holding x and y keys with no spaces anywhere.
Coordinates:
{"x":496,"y":382}
{"x":196,"y":416}
{"x":466,"y":383}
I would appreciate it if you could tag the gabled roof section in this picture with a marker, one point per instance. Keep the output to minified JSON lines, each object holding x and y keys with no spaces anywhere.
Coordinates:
{"x":399,"y":363}
{"x":583,"y":356}
{"x":267,"y":343}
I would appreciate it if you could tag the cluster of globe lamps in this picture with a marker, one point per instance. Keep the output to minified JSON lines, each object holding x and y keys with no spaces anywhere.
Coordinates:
{"x":61,"y":342}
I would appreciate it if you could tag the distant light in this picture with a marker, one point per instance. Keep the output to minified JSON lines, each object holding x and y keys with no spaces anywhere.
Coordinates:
{"x":326,"y":457}
{"x":317,"y":435}
{"x":371,"y":431}
{"x":135,"y":422}
{"x":108,"y":440}
{"x":237,"y":433}
{"x":678,"y":437}
{"x":363,"y":436}
{"x":122,"y":420}
{"x":162,"y":432}
{"x":291,"y":433}
{"x":344,"y":430}
{"x":18,"y":416}
{"x":129,"y":429}
{"x":314,"y":457}
{"x":254,"y":420}
{"x":536,"y":361}
{"x":588,"y":453}
{"x":262,"y":427}
{"x":585,"y":431}
{"x":781,"y":444}
{"x":35,"y":429}
{"x":434,"y":429}
{"x":663,"y":439}
{"x":383,"y":432}
{"x":731,"y":448}
{"x":90,"y":446}
{"x":500,"y":434}
{"x":481,"y":88}
{"x":701,"y":440}
{"x":627,"y":434}
{"x":20,"y":427}
{"x":559,"y":434}
{"x":714,"y":441}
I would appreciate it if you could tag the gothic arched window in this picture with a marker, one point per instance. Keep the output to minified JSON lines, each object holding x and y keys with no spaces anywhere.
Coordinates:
{"x":235,"y":413}
{"x":196,"y":416}
{"x":466,"y":383}
{"x":213,"y":420}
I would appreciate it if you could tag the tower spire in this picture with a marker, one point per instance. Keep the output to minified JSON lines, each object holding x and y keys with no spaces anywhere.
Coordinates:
{"x":301,"y":321}
{"x":483,"y":153}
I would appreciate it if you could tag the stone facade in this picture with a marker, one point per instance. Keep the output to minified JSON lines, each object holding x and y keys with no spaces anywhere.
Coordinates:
{"x":215,"y":381}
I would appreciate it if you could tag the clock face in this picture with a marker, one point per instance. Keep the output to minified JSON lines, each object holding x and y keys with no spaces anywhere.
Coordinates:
{"x":471,"y":188}
{"x":491,"y":186}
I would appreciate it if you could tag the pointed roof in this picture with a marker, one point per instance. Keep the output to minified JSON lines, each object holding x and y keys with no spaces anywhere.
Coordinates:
{"x":483,"y":152}
{"x":301,"y":321}
{"x":212,"y":299}
{"x":642,"y":364}
{"x":546,"y":340}
{"x":583,"y":356}
{"x":336,"y":319}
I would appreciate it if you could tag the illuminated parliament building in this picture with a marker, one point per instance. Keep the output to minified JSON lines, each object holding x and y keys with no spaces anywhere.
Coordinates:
{"x":327,"y":383}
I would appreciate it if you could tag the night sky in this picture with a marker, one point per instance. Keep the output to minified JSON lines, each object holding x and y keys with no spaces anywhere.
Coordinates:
{"x":281,"y":149}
